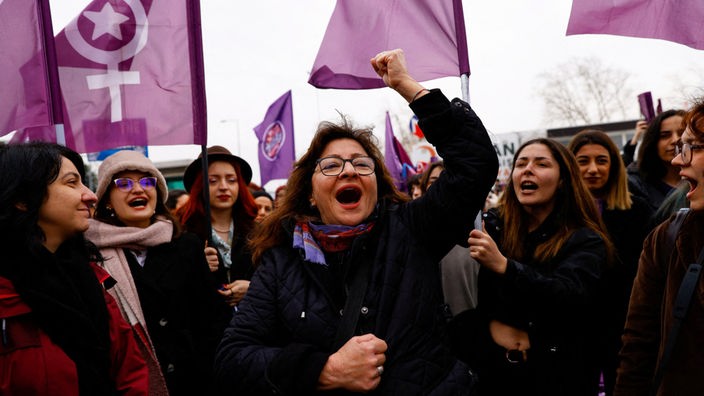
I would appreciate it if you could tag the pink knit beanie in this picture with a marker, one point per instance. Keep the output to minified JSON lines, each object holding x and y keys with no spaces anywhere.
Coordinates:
{"x":125,"y":160}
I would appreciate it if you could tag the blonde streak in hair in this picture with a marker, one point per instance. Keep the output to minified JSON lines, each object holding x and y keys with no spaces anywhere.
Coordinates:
{"x":619,"y":197}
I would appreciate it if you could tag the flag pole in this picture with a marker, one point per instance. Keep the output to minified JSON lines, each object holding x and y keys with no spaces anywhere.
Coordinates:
{"x":464,"y":82}
{"x":52,"y":68}
{"x":200,"y":119}
{"x":463,"y":58}
{"x":206,"y":192}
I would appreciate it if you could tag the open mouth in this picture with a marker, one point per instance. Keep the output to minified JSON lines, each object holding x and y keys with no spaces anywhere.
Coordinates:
{"x":692,"y":183}
{"x":349,"y":195}
{"x":529,"y":186}
{"x":139,"y":202}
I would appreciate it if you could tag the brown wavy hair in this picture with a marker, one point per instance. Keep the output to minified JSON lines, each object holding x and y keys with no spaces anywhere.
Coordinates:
{"x":295,"y":205}
{"x":616,"y":194}
{"x":573,"y":202}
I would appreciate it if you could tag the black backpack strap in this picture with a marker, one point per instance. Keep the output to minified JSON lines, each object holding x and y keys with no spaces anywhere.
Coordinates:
{"x":682,"y":301}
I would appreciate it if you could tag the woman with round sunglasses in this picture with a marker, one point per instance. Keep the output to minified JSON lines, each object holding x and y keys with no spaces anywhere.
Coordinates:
{"x":61,"y":332}
{"x":163,"y":283}
{"x":542,"y":256}
{"x":667,"y":255}
{"x":627,"y":220}
{"x":347,"y":297}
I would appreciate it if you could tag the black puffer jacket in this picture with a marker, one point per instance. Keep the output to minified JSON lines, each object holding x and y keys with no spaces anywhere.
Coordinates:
{"x":282,"y":335}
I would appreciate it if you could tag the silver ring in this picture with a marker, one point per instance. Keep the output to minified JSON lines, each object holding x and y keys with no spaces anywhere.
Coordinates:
{"x":380,"y":370}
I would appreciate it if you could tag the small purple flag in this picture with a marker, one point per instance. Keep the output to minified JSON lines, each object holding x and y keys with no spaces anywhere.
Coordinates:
{"x":132,"y":75}
{"x":645,"y":100}
{"x":26,"y":60}
{"x":678,"y":21}
{"x":431,"y":33}
{"x":395,"y":157}
{"x":276,"y":147}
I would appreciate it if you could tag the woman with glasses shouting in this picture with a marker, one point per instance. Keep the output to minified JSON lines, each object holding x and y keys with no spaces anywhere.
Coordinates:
{"x":163,"y":282}
{"x":656,"y":344}
{"x":346,"y":296}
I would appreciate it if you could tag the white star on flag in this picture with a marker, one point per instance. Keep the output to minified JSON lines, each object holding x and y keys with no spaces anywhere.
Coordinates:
{"x":107,"y":21}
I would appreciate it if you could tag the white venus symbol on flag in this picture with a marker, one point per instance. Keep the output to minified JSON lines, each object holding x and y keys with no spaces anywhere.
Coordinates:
{"x":107,"y":21}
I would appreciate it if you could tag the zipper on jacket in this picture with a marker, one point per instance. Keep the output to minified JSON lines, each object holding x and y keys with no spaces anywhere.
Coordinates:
{"x":4,"y":331}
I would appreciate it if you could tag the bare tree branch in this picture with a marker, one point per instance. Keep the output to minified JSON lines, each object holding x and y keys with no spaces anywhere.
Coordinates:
{"x":584,"y":91}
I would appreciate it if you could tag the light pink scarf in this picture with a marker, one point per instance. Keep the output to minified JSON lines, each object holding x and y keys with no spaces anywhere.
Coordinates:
{"x":111,"y":240}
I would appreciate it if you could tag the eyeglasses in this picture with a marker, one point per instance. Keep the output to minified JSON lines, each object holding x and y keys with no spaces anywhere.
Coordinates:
{"x":126,"y":184}
{"x":685,"y":149}
{"x":333,"y":166}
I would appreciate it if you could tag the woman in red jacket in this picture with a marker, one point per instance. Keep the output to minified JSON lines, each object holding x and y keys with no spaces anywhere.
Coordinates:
{"x":62,"y":334}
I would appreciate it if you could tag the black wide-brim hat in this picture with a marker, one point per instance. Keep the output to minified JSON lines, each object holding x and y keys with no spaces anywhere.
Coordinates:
{"x":215,"y":153}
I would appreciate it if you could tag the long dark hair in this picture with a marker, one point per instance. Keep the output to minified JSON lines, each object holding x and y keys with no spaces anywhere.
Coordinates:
{"x":650,"y":166}
{"x":574,"y":207}
{"x":65,"y":297}
{"x":296,"y":203}
{"x":26,"y":171}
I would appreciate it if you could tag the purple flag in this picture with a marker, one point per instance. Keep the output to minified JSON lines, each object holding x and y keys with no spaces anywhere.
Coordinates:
{"x":645,"y":101}
{"x":678,"y":21}
{"x":395,"y":157}
{"x":431,"y":33}
{"x":27,"y":65}
{"x":131,"y":74}
{"x":276,"y":148}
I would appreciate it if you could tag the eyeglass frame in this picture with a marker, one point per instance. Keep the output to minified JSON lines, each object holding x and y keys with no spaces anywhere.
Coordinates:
{"x":344,"y":161}
{"x":132,"y":183}
{"x":680,"y":150}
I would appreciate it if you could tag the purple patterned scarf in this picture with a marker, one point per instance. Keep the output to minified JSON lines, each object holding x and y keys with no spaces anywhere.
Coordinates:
{"x":315,"y":239}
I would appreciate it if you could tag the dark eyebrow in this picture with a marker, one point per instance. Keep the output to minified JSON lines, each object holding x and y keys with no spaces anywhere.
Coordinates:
{"x":70,"y":175}
{"x":535,"y":159}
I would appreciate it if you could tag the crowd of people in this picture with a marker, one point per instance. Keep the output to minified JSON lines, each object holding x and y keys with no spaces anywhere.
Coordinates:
{"x":563,"y":280}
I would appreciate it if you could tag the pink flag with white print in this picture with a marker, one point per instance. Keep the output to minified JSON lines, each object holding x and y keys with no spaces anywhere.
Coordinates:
{"x":25,"y":84}
{"x":131,"y":74}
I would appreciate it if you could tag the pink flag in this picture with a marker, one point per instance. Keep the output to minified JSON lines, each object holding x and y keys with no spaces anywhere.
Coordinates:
{"x":678,"y":21}
{"x":276,"y":147}
{"x":431,"y":33}
{"x":26,"y":60}
{"x":131,"y":74}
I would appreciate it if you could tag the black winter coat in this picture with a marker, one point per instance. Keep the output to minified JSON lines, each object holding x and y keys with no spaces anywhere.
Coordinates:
{"x":627,"y":230}
{"x":179,"y":305}
{"x":555,"y":303}
{"x":282,"y":335}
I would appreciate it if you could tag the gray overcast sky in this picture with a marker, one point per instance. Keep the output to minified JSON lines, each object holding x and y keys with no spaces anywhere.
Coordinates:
{"x":257,"y":50}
